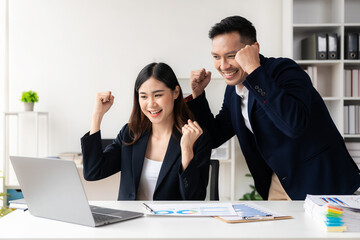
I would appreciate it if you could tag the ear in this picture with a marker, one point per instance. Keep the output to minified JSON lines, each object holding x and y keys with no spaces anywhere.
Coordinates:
{"x":258,"y":45}
{"x":176,"y":92}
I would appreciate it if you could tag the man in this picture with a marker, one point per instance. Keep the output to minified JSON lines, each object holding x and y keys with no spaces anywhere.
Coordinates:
{"x":290,"y":143}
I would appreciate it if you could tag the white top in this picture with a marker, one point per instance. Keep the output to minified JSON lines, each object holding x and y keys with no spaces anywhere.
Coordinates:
{"x":148,"y":179}
{"x":244,"y":94}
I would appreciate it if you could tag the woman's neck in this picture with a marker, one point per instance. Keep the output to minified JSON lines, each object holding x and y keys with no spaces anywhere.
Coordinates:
{"x":159,"y":130}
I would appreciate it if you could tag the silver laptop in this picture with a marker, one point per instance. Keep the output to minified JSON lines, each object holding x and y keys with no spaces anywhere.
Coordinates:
{"x":52,"y":189}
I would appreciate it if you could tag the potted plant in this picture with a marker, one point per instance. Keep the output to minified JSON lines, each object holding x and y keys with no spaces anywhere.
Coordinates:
{"x":29,"y":98}
{"x":253,"y":195}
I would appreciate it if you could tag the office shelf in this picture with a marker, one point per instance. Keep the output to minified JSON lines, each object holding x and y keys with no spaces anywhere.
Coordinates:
{"x":25,"y":134}
{"x":303,"y":18}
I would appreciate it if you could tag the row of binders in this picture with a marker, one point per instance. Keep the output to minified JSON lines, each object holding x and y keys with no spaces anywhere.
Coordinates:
{"x":320,"y":46}
{"x":352,"y":82}
{"x":334,"y":213}
{"x":352,"y":119}
{"x":354,"y":151}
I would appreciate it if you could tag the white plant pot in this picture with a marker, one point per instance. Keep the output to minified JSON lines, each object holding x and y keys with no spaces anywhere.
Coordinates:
{"x":29,"y":106}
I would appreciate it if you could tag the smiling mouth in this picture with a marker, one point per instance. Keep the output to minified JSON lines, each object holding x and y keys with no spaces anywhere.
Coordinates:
{"x":155,"y":113}
{"x":229,"y":74}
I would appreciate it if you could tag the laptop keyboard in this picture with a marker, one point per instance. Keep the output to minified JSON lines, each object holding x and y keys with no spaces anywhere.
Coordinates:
{"x":108,"y":215}
{"x":100,"y":218}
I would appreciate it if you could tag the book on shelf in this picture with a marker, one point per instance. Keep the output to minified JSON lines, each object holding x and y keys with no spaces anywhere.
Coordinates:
{"x":354,"y":151}
{"x":352,"y":119}
{"x":352,"y":83}
{"x":334,"y":213}
{"x":312,"y":72}
{"x":18,"y":204}
{"x":252,"y":212}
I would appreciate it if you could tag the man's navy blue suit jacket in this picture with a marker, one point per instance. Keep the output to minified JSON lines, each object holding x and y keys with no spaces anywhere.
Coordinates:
{"x":293,"y":133}
{"x":172,"y":183}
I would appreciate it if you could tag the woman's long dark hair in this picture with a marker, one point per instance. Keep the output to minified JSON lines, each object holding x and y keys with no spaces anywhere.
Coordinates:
{"x":138,"y":122}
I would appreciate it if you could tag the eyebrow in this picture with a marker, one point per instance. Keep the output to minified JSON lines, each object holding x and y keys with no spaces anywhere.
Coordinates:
{"x":232,"y":52}
{"x":156,"y":91}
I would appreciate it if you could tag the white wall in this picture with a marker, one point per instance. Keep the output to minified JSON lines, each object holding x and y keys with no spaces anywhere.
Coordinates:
{"x":67,"y":50}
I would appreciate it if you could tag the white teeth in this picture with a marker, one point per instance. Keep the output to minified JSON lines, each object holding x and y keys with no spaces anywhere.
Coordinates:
{"x":155,"y":112}
{"x":229,"y":74}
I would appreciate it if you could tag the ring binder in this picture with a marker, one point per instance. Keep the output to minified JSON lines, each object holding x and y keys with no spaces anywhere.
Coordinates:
{"x":351,"y":46}
{"x":314,"y":47}
{"x":332,"y":46}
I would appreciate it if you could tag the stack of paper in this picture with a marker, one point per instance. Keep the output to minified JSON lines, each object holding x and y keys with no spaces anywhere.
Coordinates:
{"x":336,"y":213}
{"x":18,"y":204}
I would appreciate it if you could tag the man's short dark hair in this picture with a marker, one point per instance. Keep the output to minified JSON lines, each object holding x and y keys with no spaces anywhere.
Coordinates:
{"x":235,"y":24}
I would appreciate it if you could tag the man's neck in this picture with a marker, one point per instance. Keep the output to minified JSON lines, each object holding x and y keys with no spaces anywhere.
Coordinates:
{"x":239,"y":86}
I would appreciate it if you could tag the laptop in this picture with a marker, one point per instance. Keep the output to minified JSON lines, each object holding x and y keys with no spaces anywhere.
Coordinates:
{"x":52,"y":189}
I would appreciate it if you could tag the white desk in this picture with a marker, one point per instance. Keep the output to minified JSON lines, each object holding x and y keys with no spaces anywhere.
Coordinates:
{"x":22,"y":225}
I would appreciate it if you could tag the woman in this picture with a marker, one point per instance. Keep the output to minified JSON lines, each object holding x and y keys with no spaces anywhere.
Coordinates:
{"x":161,"y":153}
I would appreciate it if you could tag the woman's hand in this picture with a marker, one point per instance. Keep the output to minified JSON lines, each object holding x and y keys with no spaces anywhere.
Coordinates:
{"x":103,"y":102}
{"x":191,"y":132}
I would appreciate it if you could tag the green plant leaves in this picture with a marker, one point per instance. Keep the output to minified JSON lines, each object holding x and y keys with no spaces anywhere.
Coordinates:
{"x":29,"y":96}
{"x":4,"y":210}
{"x":253,"y":195}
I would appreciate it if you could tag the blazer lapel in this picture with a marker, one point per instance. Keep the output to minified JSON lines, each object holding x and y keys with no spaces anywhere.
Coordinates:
{"x":243,"y":133}
{"x":172,"y":153}
{"x":138,"y":155}
{"x":251,"y":101}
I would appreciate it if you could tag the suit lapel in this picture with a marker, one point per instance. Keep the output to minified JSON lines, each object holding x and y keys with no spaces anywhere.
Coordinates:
{"x":172,"y":153}
{"x":251,"y":101}
{"x":138,"y":155}
{"x":243,"y":133}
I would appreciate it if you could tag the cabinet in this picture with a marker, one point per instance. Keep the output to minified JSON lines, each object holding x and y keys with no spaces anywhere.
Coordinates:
{"x":302,"y":18}
{"x":25,"y":134}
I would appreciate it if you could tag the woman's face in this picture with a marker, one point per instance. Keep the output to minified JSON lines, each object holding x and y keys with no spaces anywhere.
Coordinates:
{"x":157,"y":101}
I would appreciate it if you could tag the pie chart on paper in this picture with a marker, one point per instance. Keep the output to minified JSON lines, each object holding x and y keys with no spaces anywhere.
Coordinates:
{"x":164,"y":212}
{"x":186,"y":212}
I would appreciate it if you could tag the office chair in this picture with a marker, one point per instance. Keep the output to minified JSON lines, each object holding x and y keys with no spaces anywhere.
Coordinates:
{"x":106,"y":141}
{"x":214,"y":179}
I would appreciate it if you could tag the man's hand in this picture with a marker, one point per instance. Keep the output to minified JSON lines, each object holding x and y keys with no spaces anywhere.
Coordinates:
{"x":199,"y":79}
{"x":248,"y":58}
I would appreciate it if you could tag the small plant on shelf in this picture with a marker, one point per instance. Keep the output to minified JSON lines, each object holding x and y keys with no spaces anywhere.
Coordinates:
{"x":253,"y":195}
{"x":29,"y":98}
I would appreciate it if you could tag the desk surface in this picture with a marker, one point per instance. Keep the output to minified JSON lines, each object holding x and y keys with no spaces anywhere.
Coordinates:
{"x":22,"y":225}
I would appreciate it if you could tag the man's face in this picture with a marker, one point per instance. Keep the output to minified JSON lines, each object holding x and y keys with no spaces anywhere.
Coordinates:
{"x":224,"y":49}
